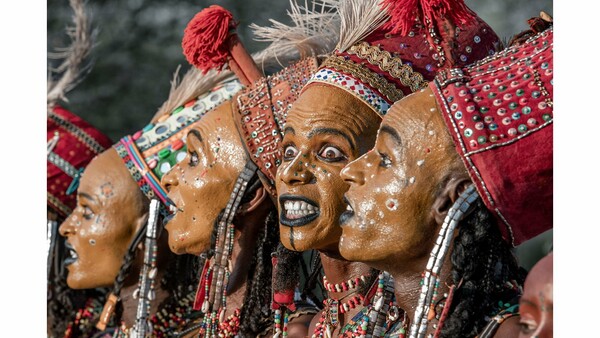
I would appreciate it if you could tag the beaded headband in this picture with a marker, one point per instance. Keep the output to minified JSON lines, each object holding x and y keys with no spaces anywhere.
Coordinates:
{"x":153,"y":151}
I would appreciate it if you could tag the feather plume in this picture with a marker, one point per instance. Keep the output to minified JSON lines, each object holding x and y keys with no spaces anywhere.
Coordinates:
{"x":74,"y":67}
{"x":359,"y":18}
{"x":313,"y":31}
{"x":193,"y":84}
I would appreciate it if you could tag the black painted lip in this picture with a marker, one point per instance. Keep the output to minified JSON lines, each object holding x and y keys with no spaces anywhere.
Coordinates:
{"x":298,"y":222}
{"x":347,"y":214}
{"x":69,"y":260}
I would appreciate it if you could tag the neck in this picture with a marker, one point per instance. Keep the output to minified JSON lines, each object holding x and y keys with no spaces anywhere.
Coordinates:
{"x":407,"y":287}
{"x":338,"y":271}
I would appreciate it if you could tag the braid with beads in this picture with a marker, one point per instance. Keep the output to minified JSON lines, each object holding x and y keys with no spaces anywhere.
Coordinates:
{"x":484,"y":262}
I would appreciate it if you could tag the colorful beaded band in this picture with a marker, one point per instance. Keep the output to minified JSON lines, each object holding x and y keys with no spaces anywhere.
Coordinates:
{"x":140,"y":171}
{"x":354,"y":86}
{"x":151,"y":152}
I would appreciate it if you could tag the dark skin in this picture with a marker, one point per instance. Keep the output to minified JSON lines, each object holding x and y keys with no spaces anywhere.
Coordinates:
{"x":326,"y":128}
{"x":200,"y":187}
{"x":407,"y":184}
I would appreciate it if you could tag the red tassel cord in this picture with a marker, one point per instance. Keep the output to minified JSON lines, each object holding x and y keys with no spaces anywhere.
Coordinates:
{"x":209,"y":41}
{"x":403,"y":13}
{"x":204,"y":40}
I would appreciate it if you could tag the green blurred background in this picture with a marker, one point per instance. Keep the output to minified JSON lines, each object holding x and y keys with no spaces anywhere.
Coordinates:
{"x":139,"y":47}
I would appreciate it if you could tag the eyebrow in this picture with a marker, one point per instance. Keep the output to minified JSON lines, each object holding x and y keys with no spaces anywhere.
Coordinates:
{"x":321,"y":131}
{"x":88,"y":196}
{"x":392,"y":132}
{"x":195,"y":133}
{"x":290,"y":130}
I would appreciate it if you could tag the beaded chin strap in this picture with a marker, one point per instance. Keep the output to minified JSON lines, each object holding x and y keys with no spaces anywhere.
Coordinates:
{"x":216,"y":276}
{"x":459,"y":210}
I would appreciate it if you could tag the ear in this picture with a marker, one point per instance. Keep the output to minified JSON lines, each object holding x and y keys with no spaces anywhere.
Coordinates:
{"x":448,"y":195}
{"x":259,"y":197}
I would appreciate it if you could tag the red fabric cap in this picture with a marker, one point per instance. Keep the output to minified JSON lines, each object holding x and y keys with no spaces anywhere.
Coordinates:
{"x":77,"y":143}
{"x":499,"y":112}
{"x":405,"y":63}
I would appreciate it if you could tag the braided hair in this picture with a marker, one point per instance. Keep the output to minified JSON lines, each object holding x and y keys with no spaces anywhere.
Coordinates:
{"x":483,"y":262}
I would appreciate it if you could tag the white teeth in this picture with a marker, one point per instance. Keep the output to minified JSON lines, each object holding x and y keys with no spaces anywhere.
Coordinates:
{"x":172,"y":208}
{"x":348,"y":207}
{"x":299,"y":208}
{"x":73,"y":254}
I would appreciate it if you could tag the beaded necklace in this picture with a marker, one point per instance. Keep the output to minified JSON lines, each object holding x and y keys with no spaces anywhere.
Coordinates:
{"x":332,"y":307}
{"x":167,"y":320}
{"x":380,"y":317}
{"x":83,"y":323}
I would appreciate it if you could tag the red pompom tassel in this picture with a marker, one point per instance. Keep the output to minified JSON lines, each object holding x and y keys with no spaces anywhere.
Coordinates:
{"x":205,"y":40}
{"x":404,"y":12}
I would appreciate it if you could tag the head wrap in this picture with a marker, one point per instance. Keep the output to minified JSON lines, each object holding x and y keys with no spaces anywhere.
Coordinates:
{"x":72,"y":144}
{"x":401,"y":56}
{"x":499,"y":112}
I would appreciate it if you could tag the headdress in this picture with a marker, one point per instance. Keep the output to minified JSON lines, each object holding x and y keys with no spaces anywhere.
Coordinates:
{"x":390,"y":50}
{"x":499,"y":112}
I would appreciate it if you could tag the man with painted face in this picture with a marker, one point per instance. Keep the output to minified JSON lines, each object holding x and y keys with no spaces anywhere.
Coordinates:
{"x":222,"y":191}
{"x":391,"y":52}
{"x":461,"y":172}
{"x":104,"y":232}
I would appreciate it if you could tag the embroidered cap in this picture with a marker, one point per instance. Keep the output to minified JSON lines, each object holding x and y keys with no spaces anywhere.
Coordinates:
{"x":401,"y":56}
{"x":499,"y":112}
{"x":72,"y":144}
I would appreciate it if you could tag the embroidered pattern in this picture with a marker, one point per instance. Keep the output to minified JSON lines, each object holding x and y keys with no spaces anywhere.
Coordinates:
{"x":346,"y":82}
{"x":80,"y":134}
{"x":390,"y":64}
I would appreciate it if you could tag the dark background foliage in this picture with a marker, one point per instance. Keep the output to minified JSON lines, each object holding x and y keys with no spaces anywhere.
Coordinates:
{"x":139,"y":47}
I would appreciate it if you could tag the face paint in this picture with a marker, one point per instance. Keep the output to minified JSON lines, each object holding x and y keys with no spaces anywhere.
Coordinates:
{"x":325,"y":129}
{"x":109,"y":207}
{"x":201,"y":184}
{"x":390,"y":186}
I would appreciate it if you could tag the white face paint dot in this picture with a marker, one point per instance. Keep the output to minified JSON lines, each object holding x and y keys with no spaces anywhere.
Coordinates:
{"x":420,"y":162}
{"x":432,"y":109}
{"x":411,"y":180}
{"x":392,"y":204}
{"x":431,"y":132}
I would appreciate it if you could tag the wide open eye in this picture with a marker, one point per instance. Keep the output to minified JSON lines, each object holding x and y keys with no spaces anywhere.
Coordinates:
{"x":289,"y":153}
{"x":331,"y":154}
